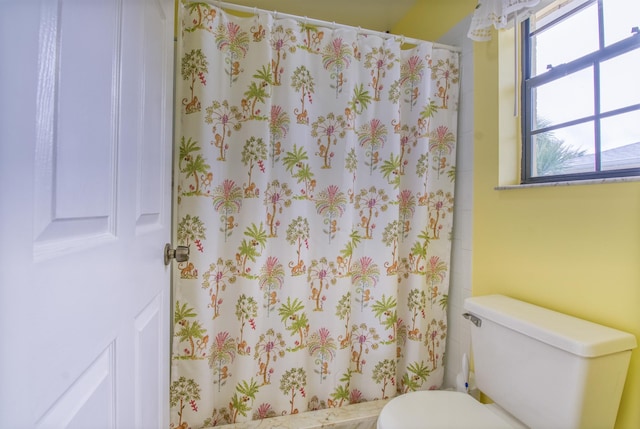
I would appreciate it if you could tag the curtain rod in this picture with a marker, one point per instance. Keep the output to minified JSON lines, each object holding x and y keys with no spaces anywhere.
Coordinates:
{"x":253,"y":10}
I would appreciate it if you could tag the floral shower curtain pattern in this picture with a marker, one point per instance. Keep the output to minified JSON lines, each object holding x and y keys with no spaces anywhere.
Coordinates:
{"x":315,"y":176}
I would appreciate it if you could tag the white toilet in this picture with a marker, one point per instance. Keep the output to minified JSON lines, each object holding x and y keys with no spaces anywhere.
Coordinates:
{"x":542,"y":369}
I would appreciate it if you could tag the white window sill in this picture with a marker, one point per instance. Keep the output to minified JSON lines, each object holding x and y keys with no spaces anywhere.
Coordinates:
{"x":570,"y":183}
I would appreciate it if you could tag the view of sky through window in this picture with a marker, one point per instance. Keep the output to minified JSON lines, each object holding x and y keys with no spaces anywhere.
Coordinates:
{"x":572,"y":97}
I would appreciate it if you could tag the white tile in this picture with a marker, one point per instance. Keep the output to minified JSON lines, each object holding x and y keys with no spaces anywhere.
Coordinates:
{"x":464,"y":191}
{"x":458,"y":340}
{"x":455,"y":286}
{"x":466,"y":293}
{"x":467,"y":284}
{"x":466,"y":67}
{"x":457,"y":219}
{"x":453,"y":356}
{"x":460,"y":274}
{"x":467,"y":44}
{"x":464,"y":339}
{"x":465,"y":119}
{"x":454,"y":321}
{"x":464,"y":174}
{"x":462,"y":230}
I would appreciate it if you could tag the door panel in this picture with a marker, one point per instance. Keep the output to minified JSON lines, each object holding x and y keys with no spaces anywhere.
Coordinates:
{"x":85,"y":154}
{"x":76,"y":141}
{"x":92,"y":393}
{"x":149,"y":343}
{"x":155,"y":117}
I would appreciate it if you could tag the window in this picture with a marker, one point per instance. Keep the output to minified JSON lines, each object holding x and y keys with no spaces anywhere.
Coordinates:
{"x":581,"y":91}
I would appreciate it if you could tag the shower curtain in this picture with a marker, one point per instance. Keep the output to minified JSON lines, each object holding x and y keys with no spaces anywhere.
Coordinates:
{"x":314,"y":179}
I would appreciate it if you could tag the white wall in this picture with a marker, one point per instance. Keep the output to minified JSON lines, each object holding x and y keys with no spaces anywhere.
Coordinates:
{"x":458,"y":341}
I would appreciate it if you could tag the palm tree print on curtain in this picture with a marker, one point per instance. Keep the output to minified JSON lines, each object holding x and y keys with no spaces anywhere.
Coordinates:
{"x":315,"y":172}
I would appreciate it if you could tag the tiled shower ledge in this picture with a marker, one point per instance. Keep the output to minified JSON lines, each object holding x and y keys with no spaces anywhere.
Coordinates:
{"x":356,"y":416}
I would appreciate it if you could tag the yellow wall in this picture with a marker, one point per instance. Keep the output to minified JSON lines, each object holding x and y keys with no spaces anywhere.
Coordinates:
{"x":575,"y":249}
{"x":430,"y":19}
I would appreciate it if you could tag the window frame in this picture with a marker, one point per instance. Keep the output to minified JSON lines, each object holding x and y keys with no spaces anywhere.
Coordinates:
{"x":529,"y":84}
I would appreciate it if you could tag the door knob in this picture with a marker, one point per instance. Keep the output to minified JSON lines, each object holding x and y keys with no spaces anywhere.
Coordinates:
{"x":180,"y":253}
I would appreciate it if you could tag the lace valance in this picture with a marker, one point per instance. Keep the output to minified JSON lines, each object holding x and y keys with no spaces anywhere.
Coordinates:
{"x":495,"y":13}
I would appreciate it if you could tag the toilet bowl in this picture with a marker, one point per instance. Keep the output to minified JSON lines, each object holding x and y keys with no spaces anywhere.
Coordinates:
{"x":442,"y":409}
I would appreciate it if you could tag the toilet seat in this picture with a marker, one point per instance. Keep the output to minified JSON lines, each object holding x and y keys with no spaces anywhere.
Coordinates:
{"x":438,"y":409}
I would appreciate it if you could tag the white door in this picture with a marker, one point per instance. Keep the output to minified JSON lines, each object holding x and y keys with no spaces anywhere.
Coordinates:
{"x":85,"y":210}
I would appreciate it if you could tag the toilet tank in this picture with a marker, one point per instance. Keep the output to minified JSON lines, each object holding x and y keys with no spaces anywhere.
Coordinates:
{"x":547,"y":369}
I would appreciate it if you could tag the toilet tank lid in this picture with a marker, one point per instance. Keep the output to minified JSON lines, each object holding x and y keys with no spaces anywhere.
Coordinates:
{"x":574,"y":335}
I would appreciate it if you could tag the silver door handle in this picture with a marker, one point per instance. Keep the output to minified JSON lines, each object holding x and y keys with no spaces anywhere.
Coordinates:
{"x":180,"y":253}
